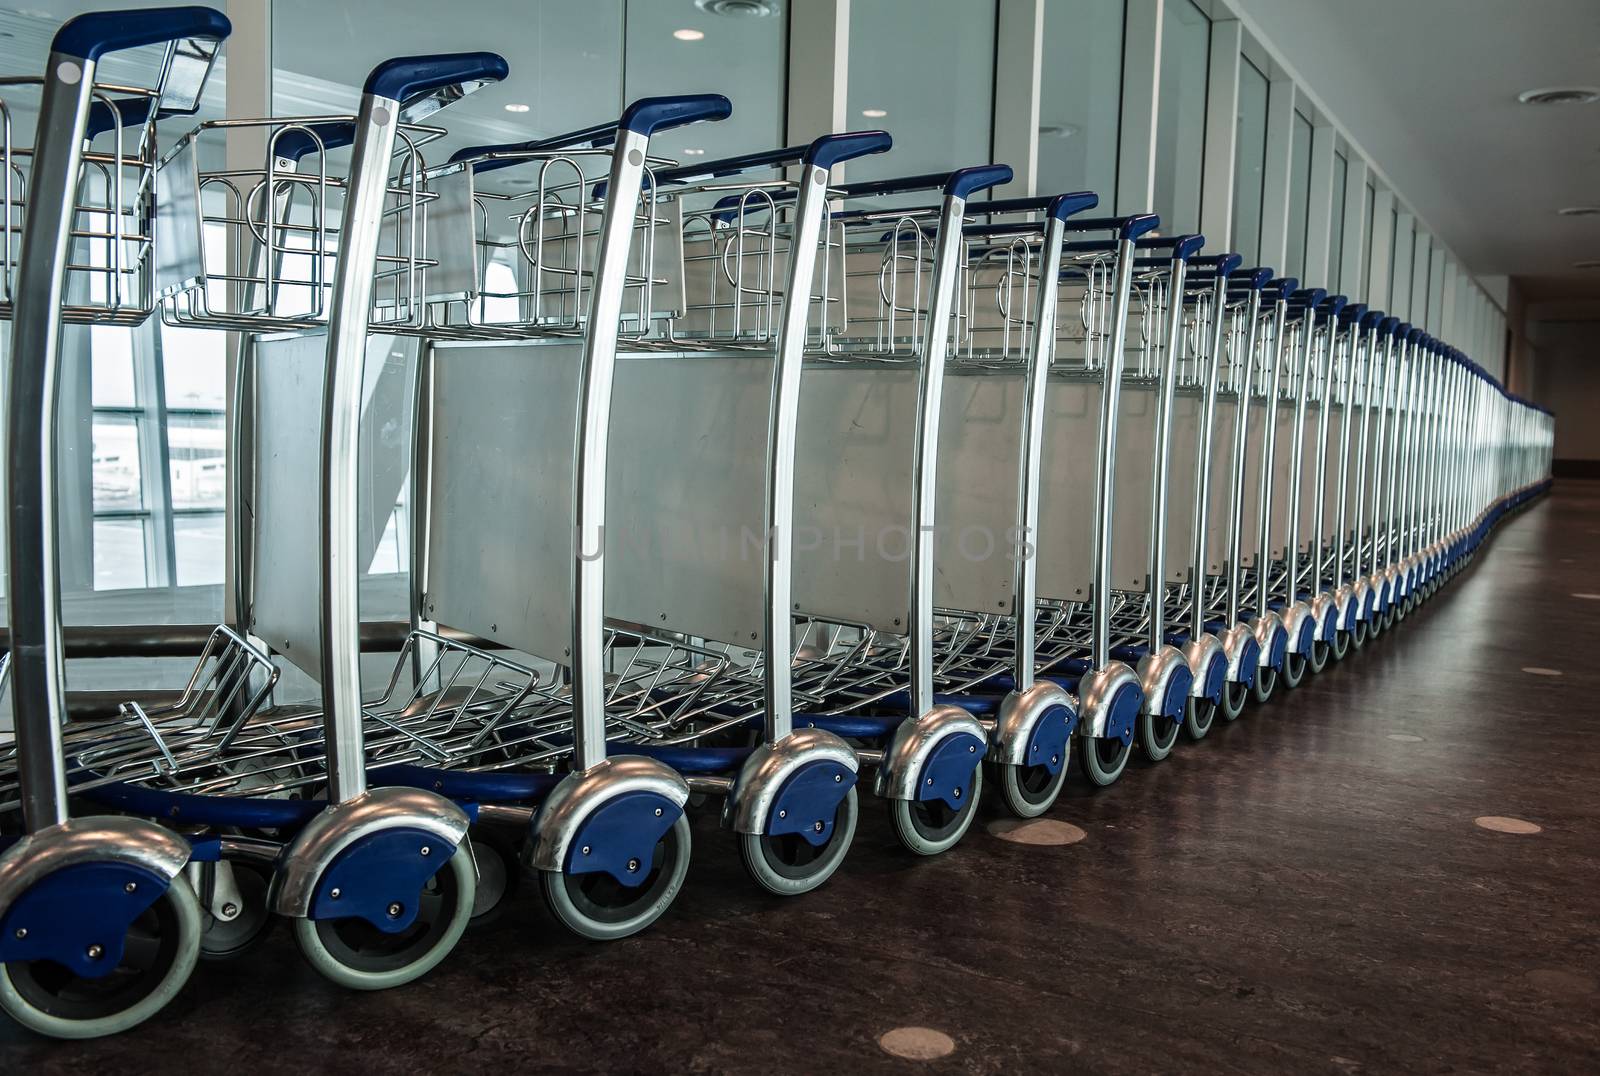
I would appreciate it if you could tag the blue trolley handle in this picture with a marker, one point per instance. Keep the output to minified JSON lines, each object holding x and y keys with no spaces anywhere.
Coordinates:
{"x":645,"y":116}
{"x":90,"y":36}
{"x":824,"y":153}
{"x":962,"y":183}
{"x":422,"y":85}
{"x":299,"y":141}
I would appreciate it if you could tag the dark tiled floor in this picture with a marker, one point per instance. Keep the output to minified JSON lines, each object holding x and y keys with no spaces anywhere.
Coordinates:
{"x":1299,"y":893}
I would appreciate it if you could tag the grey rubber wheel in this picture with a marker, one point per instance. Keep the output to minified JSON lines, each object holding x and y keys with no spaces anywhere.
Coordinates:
{"x":1359,"y":636}
{"x":1320,"y":653}
{"x":162,"y":948}
{"x":1234,"y":697}
{"x":1198,"y":717}
{"x":932,"y":827}
{"x":598,"y":907}
{"x":1103,"y":759}
{"x":1030,"y":791}
{"x":225,"y":939}
{"x":1158,"y":735}
{"x":790,"y":865}
{"x":1266,"y":683}
{"x":1341,"y":645}
{"x":357,"y":955}
{"x":1294,"y":670}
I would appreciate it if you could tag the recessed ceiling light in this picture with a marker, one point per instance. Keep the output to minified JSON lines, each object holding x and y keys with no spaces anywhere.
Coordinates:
{"x":516,"y":108}
{"x":688,"y":35}
{"x":1587,"y":263}
{"x":874,"y":113}
{"x":1579,"y":211}
{"x":694,"y":153}
{"x":1560,"y":95}
{"x":738,"y":9}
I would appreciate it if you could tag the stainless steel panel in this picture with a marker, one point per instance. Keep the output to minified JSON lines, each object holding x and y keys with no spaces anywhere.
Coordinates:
{"x":1066,"y":495}
{"x":1330,"y":492}
{"x":686,"y":493}
{"x":853,"y":489}
{"x":1186,"y":436}
{"x":288,"y":575}
{"x":289,"y":381}
{"x":177,"y":231}
{"x":980,"y":445}
{"x":1250,"y":518}
{"x":1308,"y":477}
{"x":1218,"y":553}
{"x":1282,"y":461}
{"x":500,"y":527}
{"x":452,"y":228}
{"x":1135,"y":501}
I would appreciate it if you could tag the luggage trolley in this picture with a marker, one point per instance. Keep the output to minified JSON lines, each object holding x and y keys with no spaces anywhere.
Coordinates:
{"x":1078,"y":606}
{"x":99,"y":929}
{"x":1260,"y":401}
{"x":1316,"y":520}
{"x":1250,"y":318}
{"x":1370,"y":386}
{"x":699,"y":482}
{"x":1342,"y":401}
{"x":1277,"y":580}
{"x":1189,"y":493}
{"x":867,"y":479}
{"x":1396,"y":399}
{"x":378,"y":882}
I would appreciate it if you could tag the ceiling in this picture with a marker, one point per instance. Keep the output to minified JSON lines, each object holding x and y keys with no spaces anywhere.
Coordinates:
{"x":1428,"y":90}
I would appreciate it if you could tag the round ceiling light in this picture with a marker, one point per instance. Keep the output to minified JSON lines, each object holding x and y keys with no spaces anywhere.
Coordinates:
{"x":689,"y":35}
{"x":874,"y":113}
{"x":738,"y":9}
{"x":1560,"y":95}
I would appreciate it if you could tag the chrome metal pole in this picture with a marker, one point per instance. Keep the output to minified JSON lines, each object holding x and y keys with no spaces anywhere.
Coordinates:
{"x":1202,"y":464}
{"x":1269,"y":443}
{"x":1240,"y":444}
{"x":1106,"y":457}
{"x":1176,"y":277}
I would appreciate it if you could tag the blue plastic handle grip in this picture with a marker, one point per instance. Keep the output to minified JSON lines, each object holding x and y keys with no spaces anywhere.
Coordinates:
{"x":130,"y":112}
{"x":1334,"y":305}
{"x":825,"y":152}
{"x":829,"y":150}
{"x":1311,"y":297}
{"x":1125,"y":227}
{"x":1221,"y":264}
{"x":651,"y":114}
{"x":1287,"y":285}
{"x":1388,"y":325}
{"x":406,"y":78}
{"x":961,"y":183}
{"x":1058,"y":206}
{"x":1183,"y":247}
{"x":295,"y":143}
{"x":1370,"y":319}
{"x":1254,"y":279}
{"x":1405,"y":331}
{"x":91,"y":36}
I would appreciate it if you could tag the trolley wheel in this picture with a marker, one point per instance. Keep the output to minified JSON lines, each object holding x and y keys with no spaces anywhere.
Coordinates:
{"x":1103,"y":759}
{"x":1294,"y":670}
{"x":357,"y":955}
{"x":1320,"y":653}
{"x":499,"y":873}
{"x":1341,"y":645}
{"x":1389,"y":618}
{"x":1158,"y":735}
{"x":929,"y":827}
{"x":1266,"y":683}
{"x":159,"y":952}
{"x":1359,"y":636}
{"x":1198,"y":717}
{"x":1030,"y":791}
{"x":788,"y":864}
{"x":1234,"y":696}
{"x":224,"y":939}
{"x":598,"y":907}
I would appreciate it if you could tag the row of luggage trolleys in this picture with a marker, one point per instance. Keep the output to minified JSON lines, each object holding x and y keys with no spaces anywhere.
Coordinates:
{"x":731,"y":486}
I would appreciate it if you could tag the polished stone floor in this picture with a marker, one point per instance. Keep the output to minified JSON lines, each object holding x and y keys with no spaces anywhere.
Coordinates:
{"x":1308,"y":890}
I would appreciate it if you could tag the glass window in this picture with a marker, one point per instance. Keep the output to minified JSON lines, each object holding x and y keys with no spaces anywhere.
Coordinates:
{"x":198,"y":542}
{"x":1394,"y":260}
{"x":1080,"y":97}
{"x":117,"y":470}
{"x":1366,"y":251}
{"x":740,"y":55}
{"x":111,"y":370}
{"x":1181,"y":115}
{"x":1299,"y":194}
{"x":1341,"y":172}
{"x":1249,"y":160}
{"x":119,"y":552}
{"x":566,"y":60}
{"x":196,"y":459}
{"x":926,"y":75}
